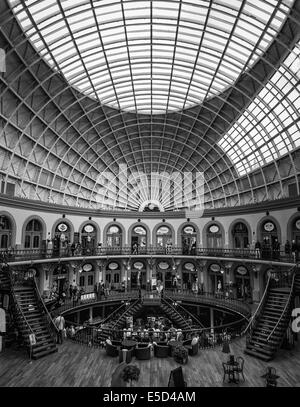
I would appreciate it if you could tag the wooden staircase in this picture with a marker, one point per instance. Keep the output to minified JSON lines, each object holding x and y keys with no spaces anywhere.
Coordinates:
{"x":269,"y":327}
{"x":30,"y":319}
{"x":175,"y":316}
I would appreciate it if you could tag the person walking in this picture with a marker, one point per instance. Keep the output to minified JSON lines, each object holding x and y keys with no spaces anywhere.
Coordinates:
{"x":60,"y":325}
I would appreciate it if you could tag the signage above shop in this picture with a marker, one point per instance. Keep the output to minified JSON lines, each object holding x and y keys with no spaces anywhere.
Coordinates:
{"x":163,"y":230}
{"x":163,"y":265}
{"x":188,"y":230}
{"x":113,"y":266}
{"x":215,"y":267}
{"x":242,"y":270}
{"x":189,"y":266}
{"x":87,"y":267}
{"x":114,"y":229}
{"x":139,"y":230}
{"x":62,"y":227}
{"x":269,"y":226}
{"x":89,"y":228}
{"x":214,"y":229}
{"x":138,"y":265}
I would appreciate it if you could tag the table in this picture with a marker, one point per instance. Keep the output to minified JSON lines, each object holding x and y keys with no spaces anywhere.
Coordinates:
{"x":232,"y":369}
{"x":128,"y":344}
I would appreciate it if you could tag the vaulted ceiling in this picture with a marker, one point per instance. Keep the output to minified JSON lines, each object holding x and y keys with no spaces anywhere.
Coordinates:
{"x":95,"y":93}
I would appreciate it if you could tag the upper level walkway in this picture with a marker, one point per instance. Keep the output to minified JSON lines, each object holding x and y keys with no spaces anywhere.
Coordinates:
{"x":31,"y":256}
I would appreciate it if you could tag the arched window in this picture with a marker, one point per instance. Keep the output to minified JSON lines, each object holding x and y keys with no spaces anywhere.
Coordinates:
{"x":214,"y":236}
{"x":87,"y":277}
{"x":88,"y":238}
{"x":240,"y":236}
{"x":163,"y":236}
{"x":138,"y":239}
{"x":5,"y":232}
{"x":62,"y":237}
{"x":269,"y":233}
{"x":33,"y":234}
{"x":189,"y":240}
{"x":114,"y":236}
{"x":189,"y":275}
{"x":296,"y":232}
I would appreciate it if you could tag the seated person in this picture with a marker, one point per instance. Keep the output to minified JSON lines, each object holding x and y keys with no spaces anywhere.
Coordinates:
{"x":108,"y":340}
{"x":195,"y":340}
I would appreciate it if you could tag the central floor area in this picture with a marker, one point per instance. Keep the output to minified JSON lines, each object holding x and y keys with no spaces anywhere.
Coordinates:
{"x":76,"y":365}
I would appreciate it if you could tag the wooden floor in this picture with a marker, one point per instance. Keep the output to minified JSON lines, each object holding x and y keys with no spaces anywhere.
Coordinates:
{"x":77,"y":365}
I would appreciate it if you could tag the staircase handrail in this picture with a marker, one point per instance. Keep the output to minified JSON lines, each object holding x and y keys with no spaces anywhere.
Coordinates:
{"x":171,"y":306}
{"x":286,"y":304}
{"x":186,"y":311}
{"x":15,"y":299}
{"x":112,"y":313}
{"x":262,"y":301}
{"x":125,"y":312}
{"x":48,"y":315}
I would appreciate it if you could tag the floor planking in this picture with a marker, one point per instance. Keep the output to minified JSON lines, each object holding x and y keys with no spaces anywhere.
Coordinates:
{"x":77,"y":365}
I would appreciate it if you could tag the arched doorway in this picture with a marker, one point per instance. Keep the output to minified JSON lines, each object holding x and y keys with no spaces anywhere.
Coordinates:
{"x":164,"y":239}
{"x":138,"y":240}
{"x":33,"y":234}
{"x":5,"y":232}
{"x":62,"y":237}
{"x":240,"y":236}
{"x":113,"y":275}
{"x":189,"y":276}
{"x":138,"y":275}
{"x":216,"y":274}
{"x":164,"y":275}
{"x":270,"y":244}
{"x":242,"y":282}
{"x":114,"y":238}
{"x":214,"y":237}
{"x":189,"y":240}
{"x":60,"y":280}
{"x":296,"y":235}
{"x":88,"y":239}
{"x":87,"y":278}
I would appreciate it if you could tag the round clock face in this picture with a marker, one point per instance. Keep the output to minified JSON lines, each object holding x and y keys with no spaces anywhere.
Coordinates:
{"x":151,"y":206}
{"x":269,"y":226}
{"x":87,"y":267}
{"x":189,"y":266}
{"x":214,"y":229}
{"x":298,"y":224}
{"x":62,"y":227}
{"x":89,"y":228}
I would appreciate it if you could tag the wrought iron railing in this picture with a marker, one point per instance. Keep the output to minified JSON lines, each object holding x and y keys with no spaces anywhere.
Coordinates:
{"x":11,"y":255}
{"x":169,"y":301}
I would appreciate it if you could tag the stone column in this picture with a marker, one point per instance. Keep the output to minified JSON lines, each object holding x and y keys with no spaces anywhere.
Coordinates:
{"x":91,"y":313}
{"x":212,"y":324}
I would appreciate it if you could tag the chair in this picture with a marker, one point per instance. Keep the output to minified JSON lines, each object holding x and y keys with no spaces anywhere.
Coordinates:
{"x":225,"y":370}
{"x":240,"y":367}
{"x":143,"y":353}
{"x":161,"y":351}
{"x":176,"y":378}
{"x":112,"y":350}
{"x":193,"y":349}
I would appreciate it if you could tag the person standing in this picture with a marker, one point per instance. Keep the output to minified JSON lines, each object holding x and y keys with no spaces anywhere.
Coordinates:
{"x":60,"y":325}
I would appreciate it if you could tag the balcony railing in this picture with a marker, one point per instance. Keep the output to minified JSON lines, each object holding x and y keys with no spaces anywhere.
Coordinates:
{"x":12,"y":255}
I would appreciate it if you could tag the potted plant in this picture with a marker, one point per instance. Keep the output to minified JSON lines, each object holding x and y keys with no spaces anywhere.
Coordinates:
{"x":130,"y":373}
{"x":180,"y":354}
